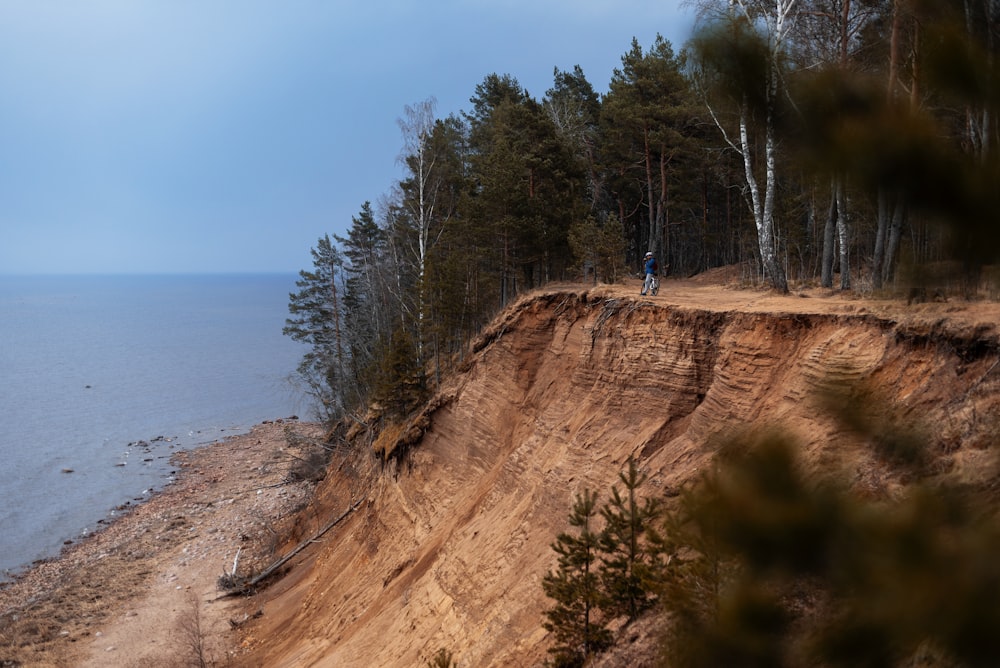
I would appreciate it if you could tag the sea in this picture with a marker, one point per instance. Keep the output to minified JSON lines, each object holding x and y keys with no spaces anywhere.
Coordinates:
{"x":104,"y":378}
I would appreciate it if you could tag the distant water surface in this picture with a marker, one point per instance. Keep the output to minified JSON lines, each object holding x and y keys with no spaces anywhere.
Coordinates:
{"x":92,"y":365}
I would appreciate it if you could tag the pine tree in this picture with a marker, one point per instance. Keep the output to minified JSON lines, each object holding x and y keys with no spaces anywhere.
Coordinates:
{"x":644,"y":123}
{"x":530,"y":186}
{"x":575,"y":588}
{"x":316,"y":320}
{"x":365,"y":300}
{"x":575,"y":108}
{"x":778,"y":566}
{"x":627,"y":563}
{"x":400,"y":385}
{"x":598,"y":249}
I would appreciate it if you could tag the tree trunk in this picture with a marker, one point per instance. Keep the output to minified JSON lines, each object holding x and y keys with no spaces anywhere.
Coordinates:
{"x":978,"y":119}
{"x":894,"y":49}
{"x":892,"y":248}
{"x":650,"y":192}
{"x":829,"y":241}
{"x":878,"y":258}
{"x":845,"y":14}
{"x":843,"y":235}
{"x":768,"y":241}
{"x":891,"y":225}
{"x":504,"y":272}
{"x":664,"y":214}
{"x":335,"y":303}
{"x":768,"y":237}
{"x":769,"y":246}
{"x":417,"y":127}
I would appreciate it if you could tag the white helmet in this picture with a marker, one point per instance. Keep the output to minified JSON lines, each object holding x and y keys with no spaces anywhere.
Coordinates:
{"x":649,"y":254}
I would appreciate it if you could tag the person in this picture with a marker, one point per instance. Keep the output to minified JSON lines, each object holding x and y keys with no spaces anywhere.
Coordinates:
{"x":649,"y":285}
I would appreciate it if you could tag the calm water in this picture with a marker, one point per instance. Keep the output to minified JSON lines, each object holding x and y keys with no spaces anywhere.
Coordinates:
{"x":91,"y":365}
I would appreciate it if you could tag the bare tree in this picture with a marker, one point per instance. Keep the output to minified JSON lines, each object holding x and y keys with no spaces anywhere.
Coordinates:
{"x":192,"y":635}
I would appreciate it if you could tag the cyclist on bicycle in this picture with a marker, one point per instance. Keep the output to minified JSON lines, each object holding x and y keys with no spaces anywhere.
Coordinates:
{"x":649,"y":285}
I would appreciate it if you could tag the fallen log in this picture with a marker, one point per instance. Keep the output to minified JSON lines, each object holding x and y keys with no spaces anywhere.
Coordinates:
{"x":270,"y":570}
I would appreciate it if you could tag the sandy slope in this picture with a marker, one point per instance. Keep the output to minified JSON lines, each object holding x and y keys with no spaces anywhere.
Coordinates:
{"x":448,"y":551}
{"x":561,"y":390}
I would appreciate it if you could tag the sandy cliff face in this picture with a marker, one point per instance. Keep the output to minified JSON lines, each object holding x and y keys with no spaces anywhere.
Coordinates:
{"x":563,"y":388}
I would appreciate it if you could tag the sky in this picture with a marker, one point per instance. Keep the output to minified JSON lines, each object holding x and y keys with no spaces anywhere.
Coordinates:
{"x":208,"y":136}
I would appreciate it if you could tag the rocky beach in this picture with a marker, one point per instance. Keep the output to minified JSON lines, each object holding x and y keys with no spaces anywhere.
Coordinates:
{"x":145,"y":590}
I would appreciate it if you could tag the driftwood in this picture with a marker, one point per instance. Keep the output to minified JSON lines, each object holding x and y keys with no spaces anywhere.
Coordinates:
{"x":270,"y":570}
{"x":236,"y":561}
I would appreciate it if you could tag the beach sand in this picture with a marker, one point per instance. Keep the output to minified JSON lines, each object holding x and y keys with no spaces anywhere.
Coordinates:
{"x":145,"y":589}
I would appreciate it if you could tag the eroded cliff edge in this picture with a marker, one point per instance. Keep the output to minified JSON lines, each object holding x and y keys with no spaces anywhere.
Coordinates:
{"x":450,"y":550}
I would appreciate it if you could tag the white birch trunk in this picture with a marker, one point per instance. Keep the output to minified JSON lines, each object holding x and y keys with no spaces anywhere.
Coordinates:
{"x":417,"y":130}
{"x":843,"y":236}
{"x":777,"y":21}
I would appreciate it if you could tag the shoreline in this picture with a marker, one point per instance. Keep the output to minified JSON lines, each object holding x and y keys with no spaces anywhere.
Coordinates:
{"x":167,"y":471}
{"x":129,"y":586}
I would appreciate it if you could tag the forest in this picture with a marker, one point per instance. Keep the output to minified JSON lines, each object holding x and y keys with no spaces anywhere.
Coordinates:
{"x":850,"y":144}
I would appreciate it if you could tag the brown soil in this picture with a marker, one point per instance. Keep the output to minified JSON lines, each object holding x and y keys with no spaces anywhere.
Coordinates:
{"x":559,"y":391}
{"x":448,"y":550}
{"x":144,"y":590}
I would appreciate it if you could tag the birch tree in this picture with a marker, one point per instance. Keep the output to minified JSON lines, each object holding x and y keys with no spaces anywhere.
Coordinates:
{"x":982,"y":29}
{"x":420,"y":198}
{"x":744,"y":48}
{"x":822,"y":45}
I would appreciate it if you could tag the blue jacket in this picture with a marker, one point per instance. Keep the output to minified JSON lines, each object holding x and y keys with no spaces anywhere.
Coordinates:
{"x":651,"y":265}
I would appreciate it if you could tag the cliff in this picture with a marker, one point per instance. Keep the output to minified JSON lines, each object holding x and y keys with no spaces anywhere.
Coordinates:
{"x":448,"y":550}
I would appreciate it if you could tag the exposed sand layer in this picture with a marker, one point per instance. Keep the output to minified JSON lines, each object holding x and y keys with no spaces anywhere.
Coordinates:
{"x":556,"y":395}
{"x":447,"y":551}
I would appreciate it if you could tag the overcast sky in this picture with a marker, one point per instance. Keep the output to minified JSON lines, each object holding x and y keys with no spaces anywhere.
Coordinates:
{"x":151,"y":136}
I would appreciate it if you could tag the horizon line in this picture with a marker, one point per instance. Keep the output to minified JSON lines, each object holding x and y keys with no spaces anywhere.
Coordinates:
{"x":53,"y":274}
